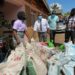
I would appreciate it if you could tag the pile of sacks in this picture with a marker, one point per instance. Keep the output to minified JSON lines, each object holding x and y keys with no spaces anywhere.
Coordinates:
{"x":63,"y":61}
{"x":57,"y":61}
{"x":25,"y":60}
{"x":36,"y":59}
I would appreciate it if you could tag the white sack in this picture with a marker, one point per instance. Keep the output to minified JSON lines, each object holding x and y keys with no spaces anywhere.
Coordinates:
{"x":39,"y":65}
{"x":69,"y":48}
{"x":15,"y":62}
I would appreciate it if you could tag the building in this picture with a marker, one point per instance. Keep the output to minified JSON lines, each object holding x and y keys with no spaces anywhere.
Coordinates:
{"x":31,"y":7}
{"x":11,"y":7}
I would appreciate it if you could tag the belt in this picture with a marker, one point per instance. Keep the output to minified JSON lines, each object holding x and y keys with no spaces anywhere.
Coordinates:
{"x":20,"y":31}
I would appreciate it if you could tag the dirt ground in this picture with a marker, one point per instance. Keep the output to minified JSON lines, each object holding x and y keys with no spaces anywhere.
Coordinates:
{"x":59,"y":38}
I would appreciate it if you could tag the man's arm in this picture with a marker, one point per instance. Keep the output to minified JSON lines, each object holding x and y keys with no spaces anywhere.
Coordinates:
{"x":49,"y":21}
{"x":48,"y":28}
{"x":26,"y":33}
{"x":16,"y":36}
{"x":34,"y":29}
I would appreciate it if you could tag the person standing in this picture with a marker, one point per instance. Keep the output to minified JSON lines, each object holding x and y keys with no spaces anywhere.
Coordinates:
{"x":20,"y":28}
{"x":70,"y":27}
{"x":41,"y":26}
{"x":52,"y":20}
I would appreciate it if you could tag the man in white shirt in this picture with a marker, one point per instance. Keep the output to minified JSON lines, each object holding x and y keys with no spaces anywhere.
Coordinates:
{"x":41,"y":26}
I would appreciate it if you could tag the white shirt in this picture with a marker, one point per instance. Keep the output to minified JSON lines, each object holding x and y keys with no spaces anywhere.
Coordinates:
{"x":44,"y":24}
{"x":19,"y":25}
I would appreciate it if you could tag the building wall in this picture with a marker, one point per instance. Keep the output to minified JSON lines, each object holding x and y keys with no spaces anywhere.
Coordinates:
{"x":11,"y":8}
{"x":16,"y":2}
{"x":31,"y":7}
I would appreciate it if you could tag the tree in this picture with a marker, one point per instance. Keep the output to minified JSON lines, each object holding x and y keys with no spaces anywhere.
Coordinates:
{"x":67,"y":14}
{"x":57,"y":7}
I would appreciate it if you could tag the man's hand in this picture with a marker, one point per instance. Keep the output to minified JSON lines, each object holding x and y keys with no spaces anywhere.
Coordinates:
{"x":18,"y":42}
{"x":48,"y":31}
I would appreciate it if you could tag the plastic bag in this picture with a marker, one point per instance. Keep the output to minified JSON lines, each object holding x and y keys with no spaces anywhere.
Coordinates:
{"x":50,"y":43}
{"x":62,"y":48}
{"x":54,"y":69}
{"x":30,"y":68}
{"x":69,"y":48}
{"x":68,"y":70}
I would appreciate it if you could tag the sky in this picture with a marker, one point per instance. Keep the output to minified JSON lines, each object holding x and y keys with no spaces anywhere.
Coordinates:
{"x":67,"y":5}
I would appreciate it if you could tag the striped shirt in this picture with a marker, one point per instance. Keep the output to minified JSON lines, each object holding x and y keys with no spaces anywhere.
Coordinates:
{"x":71,"y":24}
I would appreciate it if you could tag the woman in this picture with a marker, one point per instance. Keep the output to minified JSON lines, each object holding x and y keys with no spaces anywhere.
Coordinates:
{"x":20,"y":28}
{"x":70,"y":27}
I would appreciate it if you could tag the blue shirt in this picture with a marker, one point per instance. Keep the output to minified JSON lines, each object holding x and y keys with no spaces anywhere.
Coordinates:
{"x":52,"y":20}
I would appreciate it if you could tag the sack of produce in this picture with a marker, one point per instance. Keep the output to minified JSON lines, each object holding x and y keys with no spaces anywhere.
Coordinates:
{"x":39,"y":65}
{"x":15,"y":62}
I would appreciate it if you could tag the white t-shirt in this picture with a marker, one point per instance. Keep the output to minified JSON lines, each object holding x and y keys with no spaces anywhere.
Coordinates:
{"x":44,"y":25}
{"x":19,"y":25}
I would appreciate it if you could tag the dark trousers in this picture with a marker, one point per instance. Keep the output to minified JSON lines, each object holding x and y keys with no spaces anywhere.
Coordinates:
{"x":42,"y":36}
{"x":52,"y":35}
{"x":70,"y":35}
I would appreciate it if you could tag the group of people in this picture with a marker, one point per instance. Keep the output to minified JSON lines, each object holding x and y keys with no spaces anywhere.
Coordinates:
{"x":43,"y":26}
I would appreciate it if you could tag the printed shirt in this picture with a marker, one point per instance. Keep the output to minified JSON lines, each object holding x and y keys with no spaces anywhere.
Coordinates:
{"x":19,"y":25}
{"x":44,"y":25}
{"x":71,"y":24}
{"x":53,"y":22}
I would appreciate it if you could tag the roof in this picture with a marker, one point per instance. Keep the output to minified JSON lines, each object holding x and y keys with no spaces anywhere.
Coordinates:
{"x":46,"y":4}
